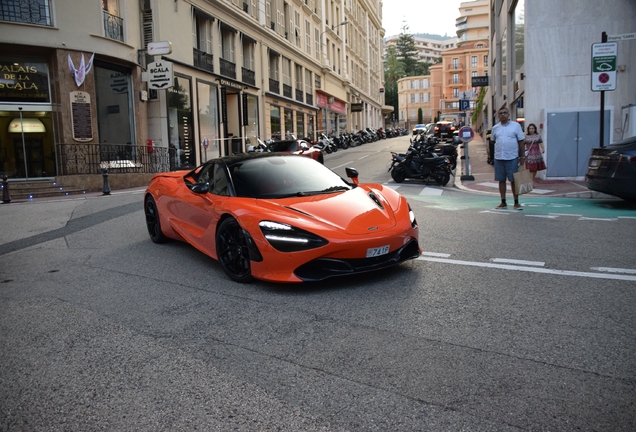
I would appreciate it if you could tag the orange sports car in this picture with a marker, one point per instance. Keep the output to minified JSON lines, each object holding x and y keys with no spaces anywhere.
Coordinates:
{"x":281,"y":218}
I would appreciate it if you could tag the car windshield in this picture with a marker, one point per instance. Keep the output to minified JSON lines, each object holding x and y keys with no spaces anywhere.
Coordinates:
{"x":284,"y":176}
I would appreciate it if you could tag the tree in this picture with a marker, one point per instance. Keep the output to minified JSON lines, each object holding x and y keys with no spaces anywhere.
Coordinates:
{"x":393,"y":71}
{"x":407,"y":53}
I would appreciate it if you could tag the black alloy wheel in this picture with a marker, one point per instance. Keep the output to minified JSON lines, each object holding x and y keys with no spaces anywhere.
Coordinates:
{"x":152,"y":220}
{"x":232,"y":251}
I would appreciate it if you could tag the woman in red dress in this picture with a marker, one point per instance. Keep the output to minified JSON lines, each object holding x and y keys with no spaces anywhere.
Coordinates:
{"x":534,"y":151}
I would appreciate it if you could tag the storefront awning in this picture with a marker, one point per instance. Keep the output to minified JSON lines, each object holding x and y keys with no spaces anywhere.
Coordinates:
{"x":30,"y":125}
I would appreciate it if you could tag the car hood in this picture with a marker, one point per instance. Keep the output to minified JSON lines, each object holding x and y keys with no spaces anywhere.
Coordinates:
{"x":358,"y":211}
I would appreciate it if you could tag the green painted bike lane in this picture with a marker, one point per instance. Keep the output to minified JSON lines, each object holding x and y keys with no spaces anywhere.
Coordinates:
{"x":555,"y":206}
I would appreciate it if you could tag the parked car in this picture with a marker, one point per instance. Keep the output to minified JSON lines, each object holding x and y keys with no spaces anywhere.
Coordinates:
{"x":297,"y":146}
{"x":612,"y":169}
{"x":419,"y":128}
{"x":444,"y":130}
{"x":281,"y":218}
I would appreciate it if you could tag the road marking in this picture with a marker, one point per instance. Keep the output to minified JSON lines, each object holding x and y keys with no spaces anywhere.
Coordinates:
{"x":597,"y":219}
{"x":340,"y":166}
{"x":436,"y":254}
{"x":542,"y":216}
{"x":431,"y":191}
{"x":496,"y":185}
{"x":496,"y":212}
{"x":613,"y":270}
{"x":531,"y":269}
{"x":520,"y":262}
{"x":365,"y":156}
{"x":566,"y":214}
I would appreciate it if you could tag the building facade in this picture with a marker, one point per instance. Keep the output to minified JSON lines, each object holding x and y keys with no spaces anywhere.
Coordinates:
{"x":439,"y":94}
{"x":541,"y":69}
{"x":149,"y":85}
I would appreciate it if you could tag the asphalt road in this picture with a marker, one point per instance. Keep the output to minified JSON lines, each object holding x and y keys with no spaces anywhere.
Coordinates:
{"x":508,"y":321}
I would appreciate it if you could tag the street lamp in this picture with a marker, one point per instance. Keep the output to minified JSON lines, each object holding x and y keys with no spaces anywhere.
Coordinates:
{"x":324,"y":42}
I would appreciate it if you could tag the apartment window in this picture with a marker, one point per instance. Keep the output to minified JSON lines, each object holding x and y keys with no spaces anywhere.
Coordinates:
{"x":32,"y":12}
{"x":248,"y":53}
{"x":486,"y":60}
{"x":297,"y":37}
{"x":113,"y":24}
{"x":455,"y":92}
{"x":307,"y":37}
{"x":202,"y":41}
{"x":309,"y":94}
{"x":227,"y":43}
{"x":274,"y":84}
{"x":299,"y":83}
{"x":455,"y":78}
{"x":317,"y":43}
{"x":287,"y":80}
{"x":473,"y":61}
{"x":455,"y":63}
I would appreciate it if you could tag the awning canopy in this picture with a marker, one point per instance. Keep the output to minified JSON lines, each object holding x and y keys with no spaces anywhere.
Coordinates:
{"x":30,"y":125}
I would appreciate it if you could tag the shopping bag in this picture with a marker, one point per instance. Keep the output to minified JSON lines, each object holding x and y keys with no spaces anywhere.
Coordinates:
{"x":523,"y":181}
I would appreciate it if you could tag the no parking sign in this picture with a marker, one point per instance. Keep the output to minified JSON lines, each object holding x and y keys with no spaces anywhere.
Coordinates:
{"x":466,"y":134}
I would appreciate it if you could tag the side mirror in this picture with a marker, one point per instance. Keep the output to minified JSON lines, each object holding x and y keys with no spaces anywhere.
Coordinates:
{"x":352,"y":173}
{"x":200,"y":188}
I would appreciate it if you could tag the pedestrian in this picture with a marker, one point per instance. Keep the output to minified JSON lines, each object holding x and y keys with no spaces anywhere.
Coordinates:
{"x":509,"y":139}
{"x":534,"y":151}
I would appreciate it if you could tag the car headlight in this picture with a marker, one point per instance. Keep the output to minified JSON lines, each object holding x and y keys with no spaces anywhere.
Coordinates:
{"x":286,"y":238}
{"x":412,"y":217}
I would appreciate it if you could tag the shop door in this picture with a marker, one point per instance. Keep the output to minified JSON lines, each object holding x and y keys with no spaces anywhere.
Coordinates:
{"x":34,"y":157}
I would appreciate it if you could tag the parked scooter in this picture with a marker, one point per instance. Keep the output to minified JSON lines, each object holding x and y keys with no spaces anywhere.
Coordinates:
{"x":420,"y":162}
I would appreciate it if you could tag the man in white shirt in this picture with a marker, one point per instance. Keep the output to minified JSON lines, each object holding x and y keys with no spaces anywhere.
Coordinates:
{"x":509,"y":148}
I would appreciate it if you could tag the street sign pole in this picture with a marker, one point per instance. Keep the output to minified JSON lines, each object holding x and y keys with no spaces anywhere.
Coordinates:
{"x":602,"y":126}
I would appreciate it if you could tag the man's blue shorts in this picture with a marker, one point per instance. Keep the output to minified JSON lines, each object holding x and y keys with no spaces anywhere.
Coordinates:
{"x":505,"y":169}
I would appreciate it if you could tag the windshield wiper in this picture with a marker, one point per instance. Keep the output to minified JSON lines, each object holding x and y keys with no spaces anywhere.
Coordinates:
{"x":328,"y":190}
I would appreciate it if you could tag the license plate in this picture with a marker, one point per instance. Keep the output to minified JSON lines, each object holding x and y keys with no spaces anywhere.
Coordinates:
{"x":374,"y":252}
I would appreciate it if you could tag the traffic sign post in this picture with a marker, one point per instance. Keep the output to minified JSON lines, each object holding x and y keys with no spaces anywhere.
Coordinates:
{"x":604,"y":66}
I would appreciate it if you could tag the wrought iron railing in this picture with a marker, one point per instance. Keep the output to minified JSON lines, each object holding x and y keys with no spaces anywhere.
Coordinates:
{"x":287,"y":90}
{"x":74,"y":159}
{"x":113,"y":26}
{"x":274,"y":86}
{"x":228,"y":68}
{"x":249,"y":76}
{"x":299,"y":95}
{"x":30,"y":12}
{"x":203,"y":60}
{"x":309,"y":98}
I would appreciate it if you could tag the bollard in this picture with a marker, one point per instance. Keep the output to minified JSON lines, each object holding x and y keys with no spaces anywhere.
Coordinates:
{"x":105,"y":188}
{"x":6,"y":198}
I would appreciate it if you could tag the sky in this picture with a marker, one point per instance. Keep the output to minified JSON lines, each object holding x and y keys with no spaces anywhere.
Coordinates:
{"x":422,"y":16}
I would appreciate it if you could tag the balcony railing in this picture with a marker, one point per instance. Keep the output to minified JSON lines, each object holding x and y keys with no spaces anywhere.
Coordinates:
{"x":274,"y":86}
{"x":459,"y":81}
{"x":309,"y":98}
{"x":29,"y":12}
{"x":249,"y":76}
{"x":287,"y":90}
{"x":203,"y":60}
{"x":75,"y":159}
{"x":113,"y":27}
{"x":228,"y":68}
{"x":456,"y":66}
{"x":299,"y":95}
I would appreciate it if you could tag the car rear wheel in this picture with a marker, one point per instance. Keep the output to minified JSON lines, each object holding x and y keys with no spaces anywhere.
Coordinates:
{"x":232,"y":251}
{"x":152,"y":221}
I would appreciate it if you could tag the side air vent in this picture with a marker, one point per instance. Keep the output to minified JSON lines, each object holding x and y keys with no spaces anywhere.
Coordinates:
{"x":376,"y":200}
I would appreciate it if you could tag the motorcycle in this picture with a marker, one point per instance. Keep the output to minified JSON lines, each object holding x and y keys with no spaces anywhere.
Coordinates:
{"x":420,"y":163}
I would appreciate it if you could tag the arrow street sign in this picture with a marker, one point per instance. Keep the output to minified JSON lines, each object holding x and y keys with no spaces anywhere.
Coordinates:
{"x":160,"y":75}
{"x":604,"y":66}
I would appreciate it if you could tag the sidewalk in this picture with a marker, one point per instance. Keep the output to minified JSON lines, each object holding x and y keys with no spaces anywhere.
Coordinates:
{"x":484,"y":175}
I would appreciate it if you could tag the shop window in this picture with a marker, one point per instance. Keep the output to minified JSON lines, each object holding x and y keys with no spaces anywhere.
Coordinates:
{"x":208,"y":121}
{"x":115,"y":116}
{"x":274,"y":123}
{"x":180,"y":122}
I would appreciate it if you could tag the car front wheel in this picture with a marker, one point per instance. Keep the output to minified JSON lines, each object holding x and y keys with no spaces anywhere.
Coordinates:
{"x":152,"y":221}
{"x":232,"y":251}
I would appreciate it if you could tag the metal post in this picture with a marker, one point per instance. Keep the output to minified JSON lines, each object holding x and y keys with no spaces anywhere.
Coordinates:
{"x":106,"y":187}
{"x":6,"y":198}
{"x":24,"y":155}
{"x":602,"y":126}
